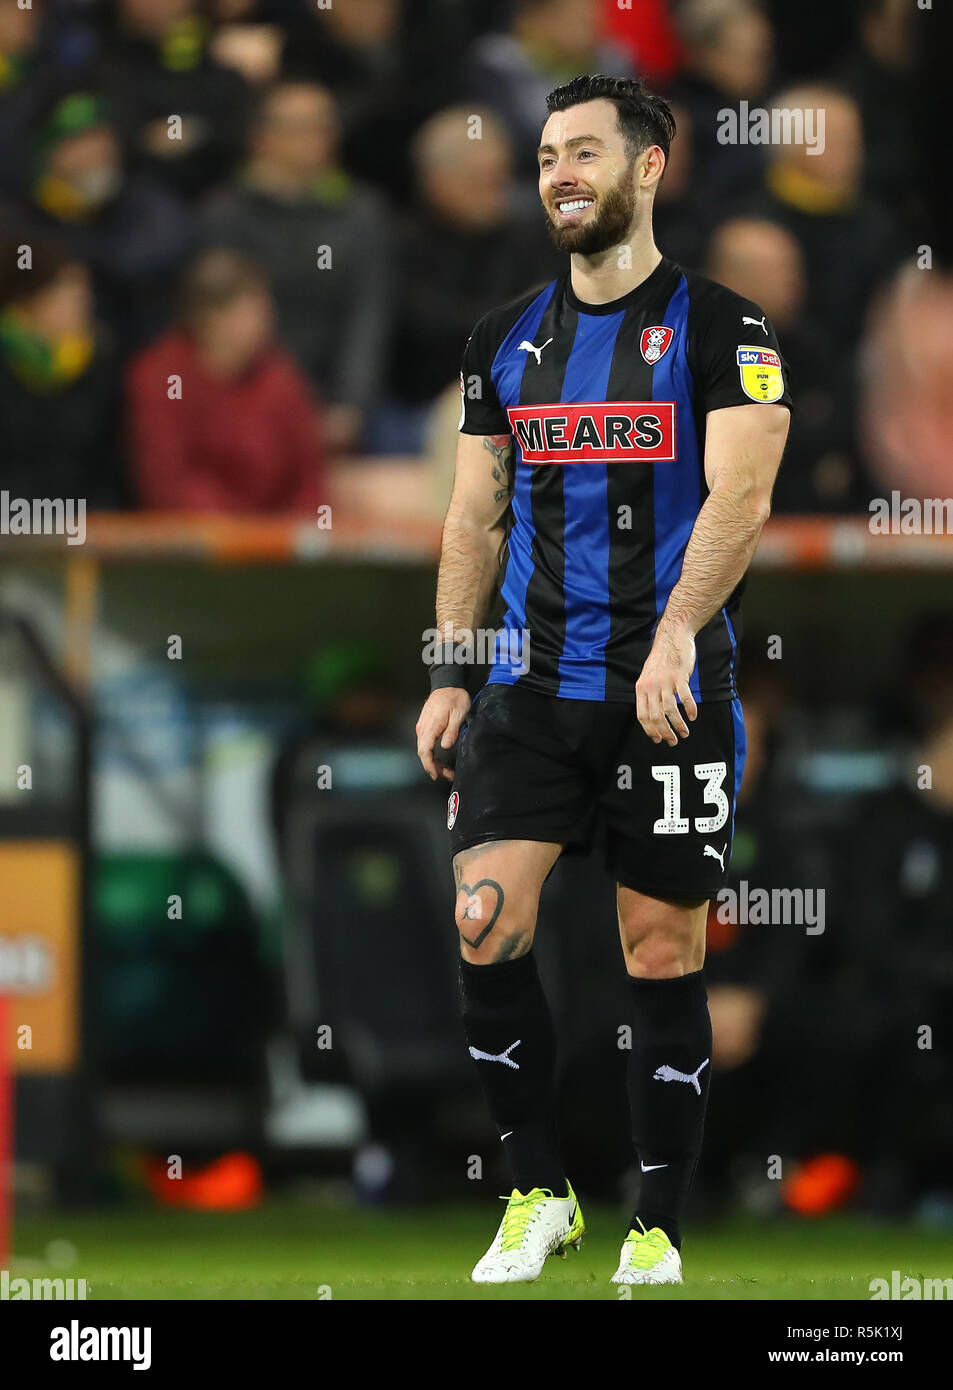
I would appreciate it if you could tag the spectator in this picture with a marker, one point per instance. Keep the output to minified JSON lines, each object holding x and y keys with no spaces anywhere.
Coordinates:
{"x":729,"y":50}
{"x":36,"y":48}
{"x":810,"y":37}
{"x":349,"y":48}
{"x":548,"y":42}
{"x":878,"y":75}
{"x":220,"y":418}
{"x":59,"y":387}
{"x":158,"y":66}
{"x":19,"y":51}
{"x":907,"y":420}
{"x":458,"y":256}
{"x":762,"y":261}
{"x":19,"y":40}
{"x":253,"y":50}
{"x":388,"y":65}
{"x":769,"y":1007}
{"x":897,"y":904}
{"x":850,"y":244}
{"x":323,"y":240}
{"x":646,"y":32}
{"x":678,"y":215}
{"x":133,"y":235}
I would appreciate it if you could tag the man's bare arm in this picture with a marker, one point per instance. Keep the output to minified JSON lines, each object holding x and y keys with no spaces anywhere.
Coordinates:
{"x":473,"y":535}
{"x":473,"y":531}
{"x":743,"y":447}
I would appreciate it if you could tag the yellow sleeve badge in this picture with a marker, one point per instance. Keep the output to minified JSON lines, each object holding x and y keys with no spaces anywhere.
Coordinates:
{"x":761,"y":377}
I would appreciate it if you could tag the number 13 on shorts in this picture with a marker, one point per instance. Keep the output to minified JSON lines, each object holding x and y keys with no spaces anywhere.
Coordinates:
{"x":671,"y":821}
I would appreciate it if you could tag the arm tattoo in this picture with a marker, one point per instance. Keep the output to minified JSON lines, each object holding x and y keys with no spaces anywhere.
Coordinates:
{"x":502,"y":448}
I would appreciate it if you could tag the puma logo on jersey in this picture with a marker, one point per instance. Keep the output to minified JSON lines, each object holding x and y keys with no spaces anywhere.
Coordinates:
{"x":503,"y":1057}
{"x":758,"y":323}
{"x":537,"y":352}
{"x":710,"y":850}
{"x":667,"y":1073}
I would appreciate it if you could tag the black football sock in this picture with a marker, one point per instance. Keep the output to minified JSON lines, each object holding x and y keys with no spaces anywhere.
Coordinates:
{"x":509,"y":1032}
{"x":669,"y":1071}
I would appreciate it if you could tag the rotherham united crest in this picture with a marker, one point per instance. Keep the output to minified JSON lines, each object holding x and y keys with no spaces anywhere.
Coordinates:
{"x":656,"y":342}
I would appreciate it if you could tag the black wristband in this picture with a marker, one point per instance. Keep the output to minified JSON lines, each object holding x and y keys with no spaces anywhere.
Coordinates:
{"x":446,"y":675}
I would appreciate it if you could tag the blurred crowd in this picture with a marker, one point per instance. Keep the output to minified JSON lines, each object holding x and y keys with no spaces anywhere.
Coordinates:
{"x":243,"y":242}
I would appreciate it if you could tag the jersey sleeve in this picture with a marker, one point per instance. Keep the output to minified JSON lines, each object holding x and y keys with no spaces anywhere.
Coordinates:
{"x":737,"y":357}
{"x":480,"y":408}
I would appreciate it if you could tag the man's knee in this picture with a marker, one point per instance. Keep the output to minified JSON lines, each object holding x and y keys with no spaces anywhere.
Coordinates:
{"x":662,"y":940}
{"x":491,"y":929}
{"x":660,"y":956}
{"x":498,"y":887}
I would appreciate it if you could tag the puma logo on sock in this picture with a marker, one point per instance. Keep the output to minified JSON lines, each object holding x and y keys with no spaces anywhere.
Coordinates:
{"x":503,"y":1057}
{"x":667,"y":1073}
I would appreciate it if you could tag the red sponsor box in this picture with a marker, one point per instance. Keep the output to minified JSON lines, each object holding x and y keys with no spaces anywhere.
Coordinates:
{"x":595,"y":432}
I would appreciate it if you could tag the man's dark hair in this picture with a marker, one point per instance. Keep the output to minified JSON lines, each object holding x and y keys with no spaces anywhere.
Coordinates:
{"x":644,"y":118}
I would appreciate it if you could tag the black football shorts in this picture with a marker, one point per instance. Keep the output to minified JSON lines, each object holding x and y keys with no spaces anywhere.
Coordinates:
{"x":579,"y":772}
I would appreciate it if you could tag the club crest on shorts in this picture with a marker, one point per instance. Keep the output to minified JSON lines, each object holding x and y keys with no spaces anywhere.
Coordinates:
{"x":656,"y":342}
{"x":453,"y":805}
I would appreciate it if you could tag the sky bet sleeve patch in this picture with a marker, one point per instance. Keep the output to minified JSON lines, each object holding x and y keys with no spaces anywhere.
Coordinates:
{"x":761,"y":377}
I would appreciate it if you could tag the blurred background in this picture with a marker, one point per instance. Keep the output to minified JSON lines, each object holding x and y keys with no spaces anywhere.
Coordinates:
{"x":242,"y":246}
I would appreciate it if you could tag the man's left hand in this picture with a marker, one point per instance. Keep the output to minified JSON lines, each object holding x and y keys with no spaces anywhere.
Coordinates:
{"x":664,"y":683}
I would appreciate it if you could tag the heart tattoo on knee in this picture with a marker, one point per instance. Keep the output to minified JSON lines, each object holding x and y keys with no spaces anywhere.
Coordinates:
{"x":474,"y":901}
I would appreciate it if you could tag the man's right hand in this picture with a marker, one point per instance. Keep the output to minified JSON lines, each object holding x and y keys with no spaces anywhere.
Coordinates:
{"x":440,"y":718}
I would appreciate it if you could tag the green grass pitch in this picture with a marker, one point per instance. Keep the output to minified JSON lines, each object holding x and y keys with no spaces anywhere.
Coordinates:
{"x":297,"y":1248}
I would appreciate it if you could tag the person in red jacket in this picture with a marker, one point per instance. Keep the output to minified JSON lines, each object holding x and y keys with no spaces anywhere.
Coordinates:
{"x":220,"y":418}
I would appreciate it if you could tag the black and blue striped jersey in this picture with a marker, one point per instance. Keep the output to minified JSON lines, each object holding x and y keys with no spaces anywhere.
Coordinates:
{"x":607,"y":406}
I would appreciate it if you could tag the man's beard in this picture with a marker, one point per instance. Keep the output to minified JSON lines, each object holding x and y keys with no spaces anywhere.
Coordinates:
{"x":611,"y":225}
